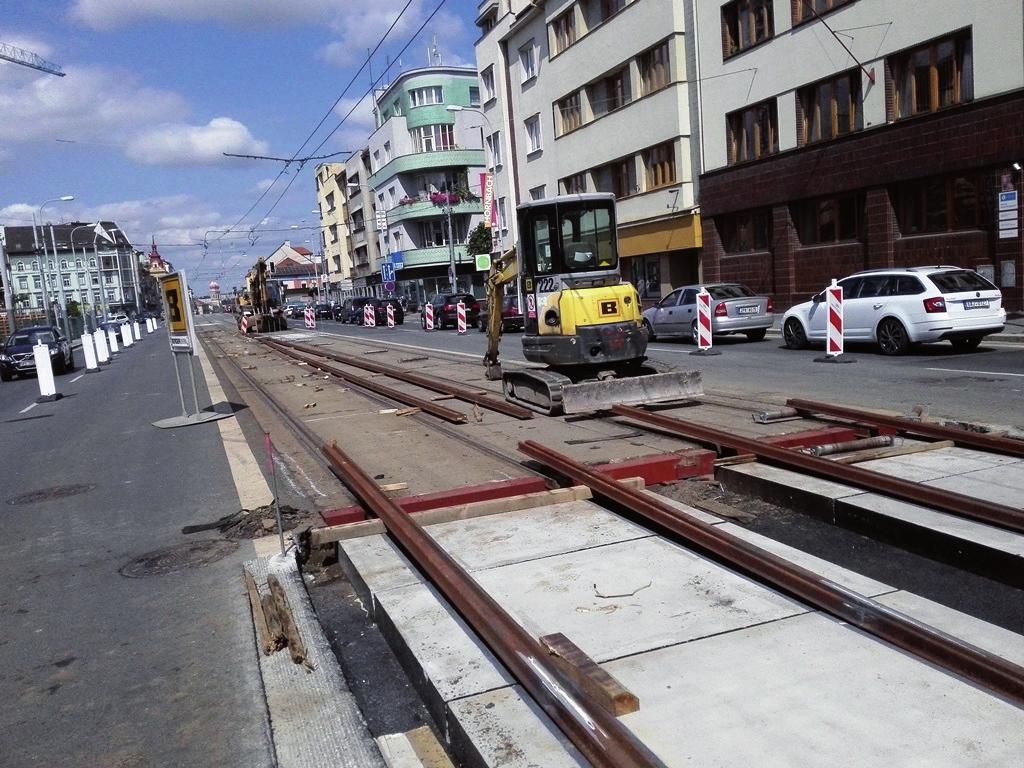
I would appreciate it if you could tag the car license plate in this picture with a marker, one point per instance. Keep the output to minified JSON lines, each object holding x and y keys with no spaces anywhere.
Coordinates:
{"x":27,"y":364}
{"x":751,"y":310}
{"x":976,"y":304}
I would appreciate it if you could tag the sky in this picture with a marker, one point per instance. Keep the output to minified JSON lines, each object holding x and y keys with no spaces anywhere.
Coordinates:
{"x":156,"y":90}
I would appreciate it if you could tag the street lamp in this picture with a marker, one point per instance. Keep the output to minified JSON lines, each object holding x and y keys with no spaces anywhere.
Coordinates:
{"x":42,"y":265}
{"x":316,"y":268}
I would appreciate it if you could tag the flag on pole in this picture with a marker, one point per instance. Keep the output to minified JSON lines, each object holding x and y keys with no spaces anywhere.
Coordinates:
{"x":101,"y":232}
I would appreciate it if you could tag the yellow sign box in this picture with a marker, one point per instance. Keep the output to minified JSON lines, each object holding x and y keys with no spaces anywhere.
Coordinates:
{"x":175,"y":304}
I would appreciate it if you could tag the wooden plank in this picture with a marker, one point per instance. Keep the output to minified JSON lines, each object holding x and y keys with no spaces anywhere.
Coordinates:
{"x":741,"y":458}
{"x":275,"y":630}
{"x":259,"y":619}
{"x":388,"y":487}
{"x":602,"y":688}
{"x":323,"y":536}
{"x":721,"y":509}
{"x":296,"y":647}
{"x":888,"y":453}
{"x":407,"y":411}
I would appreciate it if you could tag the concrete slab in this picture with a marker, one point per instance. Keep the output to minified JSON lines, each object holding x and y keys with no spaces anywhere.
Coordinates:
{"x":809,"y":691}
{"x":765,"y":475}
{"x":1003,"y":485}
{"x":505,"y":728}
{"x":686,"y":509}
{"x":931,"y":465}
{"x":656,"y":594}
{"x":495,"y":540}
{"x":375,"y":565}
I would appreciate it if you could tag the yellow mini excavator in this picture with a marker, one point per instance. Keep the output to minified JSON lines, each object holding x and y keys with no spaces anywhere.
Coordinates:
{"x":582,"y":321}
{"x":262,"y":300}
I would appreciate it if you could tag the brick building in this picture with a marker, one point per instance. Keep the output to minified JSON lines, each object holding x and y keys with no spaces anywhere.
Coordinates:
{"x":858,"y":134}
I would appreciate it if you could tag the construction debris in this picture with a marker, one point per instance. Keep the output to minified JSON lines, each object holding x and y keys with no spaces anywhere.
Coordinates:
{"x":253,"y":523}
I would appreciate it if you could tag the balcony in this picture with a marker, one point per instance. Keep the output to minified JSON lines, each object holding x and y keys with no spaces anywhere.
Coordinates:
{"x":421,"y":161}
{"x":433,"y":257}
{"x":425,"y":209}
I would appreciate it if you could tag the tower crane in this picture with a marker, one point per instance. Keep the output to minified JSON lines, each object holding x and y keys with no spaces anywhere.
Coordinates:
{"x":28,"y":59}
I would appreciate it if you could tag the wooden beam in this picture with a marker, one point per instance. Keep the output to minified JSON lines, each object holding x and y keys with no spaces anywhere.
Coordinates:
{"x":605,"y":690}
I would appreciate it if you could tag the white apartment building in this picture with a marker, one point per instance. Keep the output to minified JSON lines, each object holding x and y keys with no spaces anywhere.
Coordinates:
{"x":362,"y":237}
{"x":595,"y":96}
{"x":331,"y":196}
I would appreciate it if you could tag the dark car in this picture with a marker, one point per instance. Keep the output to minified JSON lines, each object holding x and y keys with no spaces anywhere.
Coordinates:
{"x":410,"y":304}
{"x":351,"y":311}
{"x":380,"y":310}
{"x":446,"y":313}
{"x":324,"y":312}
{"x":16,"y":356}
{"x":511,"y":317}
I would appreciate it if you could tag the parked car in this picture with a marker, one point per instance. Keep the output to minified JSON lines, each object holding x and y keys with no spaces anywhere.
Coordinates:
{"x":351,"y":310}
{"x":380,"y":307}
{"x":511,"y":318}
{"x":410,"y":304}
{"x":17,"y":357}
{"x":896,"y":308}
{"x":294,"y":309}
{"x":324,"y":311}
{"x":120,"y":318}
{"x":446,"y":313}
{"x":734,"y":309}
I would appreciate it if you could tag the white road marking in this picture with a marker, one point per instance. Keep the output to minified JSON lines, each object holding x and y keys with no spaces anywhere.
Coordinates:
{"x":79,"y":376}
{"x":985,"y":373}
{"x":29,"y":408}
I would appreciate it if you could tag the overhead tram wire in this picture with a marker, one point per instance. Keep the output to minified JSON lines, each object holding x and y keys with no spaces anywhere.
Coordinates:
{"x":327,"y":114}
{"x":368,"y":92}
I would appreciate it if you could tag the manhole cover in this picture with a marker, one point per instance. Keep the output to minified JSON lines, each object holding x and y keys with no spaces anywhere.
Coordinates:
{"x":48,"y":494}
{"x":180,"y":557}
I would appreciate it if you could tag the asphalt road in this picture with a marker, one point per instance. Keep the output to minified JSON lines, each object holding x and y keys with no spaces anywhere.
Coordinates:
{"x":986,"y":385}
{"x":97,"y":669}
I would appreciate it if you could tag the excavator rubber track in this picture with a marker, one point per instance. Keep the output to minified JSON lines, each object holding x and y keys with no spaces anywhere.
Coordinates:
{"x":553,"y":393}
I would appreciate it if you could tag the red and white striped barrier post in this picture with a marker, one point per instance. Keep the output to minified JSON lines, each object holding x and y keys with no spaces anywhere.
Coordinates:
{"x":705,"y":342}
{"x":834,"y":326}
{"x":309,"y":315}
{"x":460,"y":309}
{"x":369,"y":316}
{"x":428,"y":316}
{"x":391,"y":315}
{"x":243,"y":326}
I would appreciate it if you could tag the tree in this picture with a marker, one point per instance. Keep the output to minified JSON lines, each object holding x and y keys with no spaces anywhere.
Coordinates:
{"x":74,"y":310}
{"x":479,"y":240}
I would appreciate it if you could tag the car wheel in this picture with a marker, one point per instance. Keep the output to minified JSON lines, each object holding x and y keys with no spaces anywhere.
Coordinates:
{"x":650,"y":330}
{"x":794,"y":335}
{"x":60,"y":368}
{"x":694,"y":333}
{"x":6,"y":376}
{"x":70,"y":365}
{"x":757,"y":335}
{"x":892,"y":337}
{"x":966,"y":344}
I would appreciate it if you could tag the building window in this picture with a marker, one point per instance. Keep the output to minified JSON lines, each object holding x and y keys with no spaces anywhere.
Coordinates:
{"x":376,"y":159}
{"x":575,"y":184}
{"x":502,"y":215}
{"x":392,"y":197}
{"x":805,"y":10}
{"x":108,"y":279}
{"x":932,"y":77}
{"x":330,"y":201}
{"x":654,"y":71}
{"x":528,"y":62}
{"x":609,"y":93}
{"x":831,"y":108}
{"x":533,"y":133}
{"x":570,"y":116}
{"x":563,"y":31}
{"x":487,"y":81}
{"x":660,"y":164}
{"x":65,"y":280}
{"x":617,"y":177}
{"x":939,"y":204}
{"x":599,"y":11}
{"x":419,"y":97}
{"x":396,"y":108}
{"x":431,"y":138}
{"x":92,"y":263}
{"x":19,"y":267}
{"x":63,"y":263}
{"x":433,"y":233}
{"x":78,"y":263}
{"x":474,"y":96}
{"x":538,"y":193}
{"x":387,"y":151}
{"x":745,"y":231}
{"x":746,"y":23}
{"x":22,"y":283}
{"x":110,"y":295}
{"x":829,"y":220}
{"x":753,"y":132}
{"x":493,"y":143}
{"x":37,"y":282}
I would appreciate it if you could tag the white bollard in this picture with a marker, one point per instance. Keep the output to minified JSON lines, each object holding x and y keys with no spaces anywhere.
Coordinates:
{"x":112,"y":340}
{"x":91,"y":363}
{"x":102,"y":350}
{"x":126,"y":336}
{"x":151,"y":324}
{"x":136,"y":330}
{"x":44,"y":373}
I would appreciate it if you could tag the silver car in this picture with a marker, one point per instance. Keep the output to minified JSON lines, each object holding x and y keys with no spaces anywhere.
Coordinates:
{"x":734,"y":309}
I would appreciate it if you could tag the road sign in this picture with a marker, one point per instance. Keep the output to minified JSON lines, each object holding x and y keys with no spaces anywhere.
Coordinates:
{"x":389,"y":286}
{"x":387,"y":272}
{"x":178,"y":311}
{"x":382,"y":220}
{"x":398,"y":259}
{"x":1008,"y":215}
{"x":483,"y":262}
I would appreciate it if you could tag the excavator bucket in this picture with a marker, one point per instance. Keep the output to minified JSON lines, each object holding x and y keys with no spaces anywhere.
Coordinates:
{"x":632,"y":390}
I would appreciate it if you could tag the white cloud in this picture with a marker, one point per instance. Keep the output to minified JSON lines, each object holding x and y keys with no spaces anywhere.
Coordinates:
{"x":260,"y":186}
{"x":182,"y":144}
{"x":111,"y":14}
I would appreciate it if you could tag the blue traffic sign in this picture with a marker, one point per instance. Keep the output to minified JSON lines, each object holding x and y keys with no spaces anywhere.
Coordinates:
{"x":387,"y":272}
{"x":398,"y":259}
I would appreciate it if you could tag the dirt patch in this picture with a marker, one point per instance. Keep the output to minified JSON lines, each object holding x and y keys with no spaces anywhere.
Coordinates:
{"x":255,"y":523}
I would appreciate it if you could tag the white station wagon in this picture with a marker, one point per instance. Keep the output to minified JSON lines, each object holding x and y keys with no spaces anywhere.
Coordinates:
{"x":896,"y":308}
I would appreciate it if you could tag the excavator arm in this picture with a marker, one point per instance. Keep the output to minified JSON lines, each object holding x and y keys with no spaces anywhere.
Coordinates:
{"x":504,"y":270}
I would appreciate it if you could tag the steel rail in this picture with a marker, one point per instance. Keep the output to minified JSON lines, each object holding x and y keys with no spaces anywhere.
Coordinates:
{"x":595,"y":732}
{"x":985,"y":669}
{"x":426,"y":406}
{"x":426,"y":382}
{"x":961,"y":437}
{"x":980,"y":510}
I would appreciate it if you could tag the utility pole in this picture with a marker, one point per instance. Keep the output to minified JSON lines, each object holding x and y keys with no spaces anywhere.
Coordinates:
{"x":66,"y":322}
{"x":8,"y":283}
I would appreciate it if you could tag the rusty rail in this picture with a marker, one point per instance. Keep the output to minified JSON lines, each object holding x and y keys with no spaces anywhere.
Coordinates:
{"x":992,"y":672}
{"x":959,"y":504}
{"x":426,"y":406}
{"x":598,"y":735}
{"x":961,"y":437}
{"x":426,"y":382}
